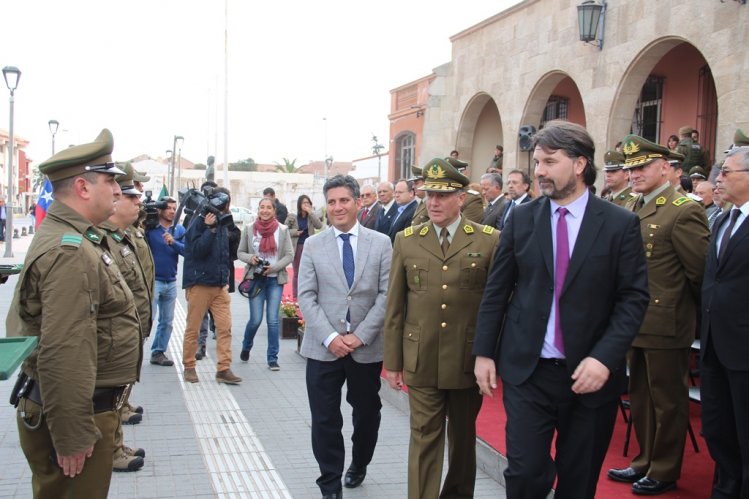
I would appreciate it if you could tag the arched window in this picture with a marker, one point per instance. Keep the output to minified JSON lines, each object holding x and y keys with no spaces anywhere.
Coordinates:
{"x":405,"y":154}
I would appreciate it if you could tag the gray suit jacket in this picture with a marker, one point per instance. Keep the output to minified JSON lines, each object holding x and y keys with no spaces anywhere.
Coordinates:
{"x":324,"y":295}
{"x":491,"y":215}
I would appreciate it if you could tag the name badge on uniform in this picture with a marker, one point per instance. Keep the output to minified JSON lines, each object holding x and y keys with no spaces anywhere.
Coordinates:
{"x":125,"y":251}
{"x":106,"y":259}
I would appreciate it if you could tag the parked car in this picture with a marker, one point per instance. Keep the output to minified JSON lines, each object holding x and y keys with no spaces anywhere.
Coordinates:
{"x":241,"y":215}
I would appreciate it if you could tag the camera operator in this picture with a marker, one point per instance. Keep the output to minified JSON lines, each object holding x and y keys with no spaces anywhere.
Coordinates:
{"x":166,"y":242}
{"x":206,"y":277}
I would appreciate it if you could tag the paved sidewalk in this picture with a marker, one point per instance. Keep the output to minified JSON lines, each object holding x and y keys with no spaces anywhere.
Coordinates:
{"x":209,"y":440}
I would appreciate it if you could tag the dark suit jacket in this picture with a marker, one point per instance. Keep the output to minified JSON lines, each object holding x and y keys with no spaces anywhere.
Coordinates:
{"x":603,"y":300}
{"x":384,"y":219}
{"x":725,"y":319}
{"x":371,"y":219}
{"x":500,"y":220}
{"x":403,"y":221}
{"x":491,"y":215}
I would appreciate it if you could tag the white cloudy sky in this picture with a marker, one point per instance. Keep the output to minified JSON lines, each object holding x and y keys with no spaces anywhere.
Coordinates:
{"x":152,"y":69}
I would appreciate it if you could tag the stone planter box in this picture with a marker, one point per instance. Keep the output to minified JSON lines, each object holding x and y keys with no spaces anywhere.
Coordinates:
{"x":289,"y":328}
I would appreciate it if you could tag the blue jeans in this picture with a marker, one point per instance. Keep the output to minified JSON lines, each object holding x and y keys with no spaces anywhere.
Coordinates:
{"x":270,"y":295}
{"x":165,"y":295}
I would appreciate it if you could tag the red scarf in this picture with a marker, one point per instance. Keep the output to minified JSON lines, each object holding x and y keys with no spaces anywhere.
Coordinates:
{"x":266,"y":229}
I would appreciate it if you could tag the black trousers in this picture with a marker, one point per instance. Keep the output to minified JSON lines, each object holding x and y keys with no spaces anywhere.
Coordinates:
{"x":725,"y":424}
{"x":535,"y":409}
{"x":324,"y":383}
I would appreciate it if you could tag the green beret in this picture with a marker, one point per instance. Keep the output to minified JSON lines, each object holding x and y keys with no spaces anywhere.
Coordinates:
{"x":77,"y":160}
{"x":740,"y":139}
{"x":686,"y":130}
{"x":613,"y":160}
{"x":640,"y":152}
{"x":698,"y":172}
{"x":441,"y":176}
{"x":416,"y":173}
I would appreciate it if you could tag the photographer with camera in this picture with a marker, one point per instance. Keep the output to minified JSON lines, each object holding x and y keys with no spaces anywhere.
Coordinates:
{"x":266,"y":248}
{"x":205,"y":279}
{"x":166,"y":242}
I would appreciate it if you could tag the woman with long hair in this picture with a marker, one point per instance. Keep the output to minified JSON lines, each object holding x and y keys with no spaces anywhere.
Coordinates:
{"x":672,"y":142}
{"x":265,"y":243}
{"x":301,"y":225}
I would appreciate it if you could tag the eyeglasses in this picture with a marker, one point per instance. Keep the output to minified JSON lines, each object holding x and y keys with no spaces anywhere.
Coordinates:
{"x":725,"y":171}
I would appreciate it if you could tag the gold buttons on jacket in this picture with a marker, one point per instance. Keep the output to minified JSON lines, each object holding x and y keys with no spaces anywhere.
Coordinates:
{"x":657,"y":301}
{"x":444,"y":324}
{"x":473,"y":264}
{"x":444,"y":267}
{"x":444,"y":286}
{"x":444,"y":306}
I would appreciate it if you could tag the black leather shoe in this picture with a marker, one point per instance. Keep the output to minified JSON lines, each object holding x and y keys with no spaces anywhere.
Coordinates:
{"x":626,"y":475}
{"x":337,"y":495}
{"x":650,"y":487}
{"x":354,"y":476}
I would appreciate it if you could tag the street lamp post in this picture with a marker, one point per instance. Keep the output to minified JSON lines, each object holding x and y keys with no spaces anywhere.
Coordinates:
{"x":174,"y":150}
{"x":53,"y":126}
{"x":11,"y":74}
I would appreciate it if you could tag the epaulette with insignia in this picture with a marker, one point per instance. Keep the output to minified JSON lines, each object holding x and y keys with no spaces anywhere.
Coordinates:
{"x":680,"y":201}
{"x":468,"y":229}
{"x":488,"y":229}
{"x":73,"y":240}
{"x":424,"y":230}
{"x":409,"y":231}
{"x":117,"y":237}
{"x":660,"y":201}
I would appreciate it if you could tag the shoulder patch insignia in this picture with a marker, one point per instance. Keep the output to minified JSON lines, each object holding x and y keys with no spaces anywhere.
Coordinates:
{"x":680,"y":201}
{"x":116,"y":237}
{"x":73,"y":240}
{"x":660,"y":201}
{"x":91,"y":235}
{"x":409,"y":231}
{"x":424,"y":230}
{"x":468,"y":229}
{"x":488,"y":229}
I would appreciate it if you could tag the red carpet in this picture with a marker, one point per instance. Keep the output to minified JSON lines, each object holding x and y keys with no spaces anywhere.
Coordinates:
{"x":697,"y":469}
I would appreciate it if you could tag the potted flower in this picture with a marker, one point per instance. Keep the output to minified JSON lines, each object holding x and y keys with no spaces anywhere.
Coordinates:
{"x":289,"y":318}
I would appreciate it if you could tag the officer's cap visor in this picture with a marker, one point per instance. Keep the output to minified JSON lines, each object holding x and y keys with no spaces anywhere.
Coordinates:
{"x":109,"y":168}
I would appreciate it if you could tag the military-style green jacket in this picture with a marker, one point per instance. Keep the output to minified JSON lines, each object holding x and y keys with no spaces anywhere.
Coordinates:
{"x":73,"y":297}
{"x":421,"y":215}
{"x":622,"y":198}
{"x":124,"y":252}
{"x":138,"y":238}
{"x":676,"y":237}
{"x":433,"y":301}
{"x":473,"y":206}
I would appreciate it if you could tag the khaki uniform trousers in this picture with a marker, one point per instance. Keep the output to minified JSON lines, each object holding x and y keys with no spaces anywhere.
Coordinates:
{"x":429,"y":407}
{"x":48,"y":481}
{"x":201,"y":299}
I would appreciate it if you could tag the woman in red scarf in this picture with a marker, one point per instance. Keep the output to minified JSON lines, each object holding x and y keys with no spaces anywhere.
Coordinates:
{"x":266,"y":240}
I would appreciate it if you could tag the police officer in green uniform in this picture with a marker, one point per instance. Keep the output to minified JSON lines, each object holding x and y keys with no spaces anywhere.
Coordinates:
{"x":674,"y":230}
{"x":124,"y":252}
{"x":617,"y":179}
{"x":473,"y":206}
{"x":420,"y":215}
{"x":71,"y":295}
{"x":437,"y":278}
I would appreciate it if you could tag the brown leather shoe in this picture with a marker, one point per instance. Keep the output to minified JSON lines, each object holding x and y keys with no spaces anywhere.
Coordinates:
{"x":228,"y":377}
{"x":190,"y":375}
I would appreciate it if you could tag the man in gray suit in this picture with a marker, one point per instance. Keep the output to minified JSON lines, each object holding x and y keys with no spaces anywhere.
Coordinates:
{"x":343,"y":303}
{"x":491,"y":190}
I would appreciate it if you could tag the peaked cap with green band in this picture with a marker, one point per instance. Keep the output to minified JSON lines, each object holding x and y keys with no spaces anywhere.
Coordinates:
{"x":416,"y":173}
{"x":613,"y":160}
{"x":135,"y":174}
{"x":740,"y":139}
{"x":456,"y":163}
{"x":127,"y":186}
{"x":77,"y":160}
{"x":640,"y":152}
{"x":441,"y":176}
{"x":698,"y":172}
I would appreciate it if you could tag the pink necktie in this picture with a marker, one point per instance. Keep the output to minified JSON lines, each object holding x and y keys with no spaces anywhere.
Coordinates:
{"x":560,"y":272}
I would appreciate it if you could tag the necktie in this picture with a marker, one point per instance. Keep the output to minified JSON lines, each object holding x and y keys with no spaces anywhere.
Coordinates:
{"x":640,"y":203}
{"x":561,"y":263}
{"x":507,"y":213}
{"x":366,"y":213}
{"x":445,"y":241}
{"x":727,"y":234}
{"x":348,"y":266}
{"x":488,"y":208}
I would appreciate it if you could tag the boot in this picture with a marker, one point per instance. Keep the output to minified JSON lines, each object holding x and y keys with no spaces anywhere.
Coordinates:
{"x":200,"y":353}
{"x":123,"y":462}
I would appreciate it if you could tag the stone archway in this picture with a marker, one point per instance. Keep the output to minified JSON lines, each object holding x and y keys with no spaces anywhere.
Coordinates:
{"x":479,"y":132}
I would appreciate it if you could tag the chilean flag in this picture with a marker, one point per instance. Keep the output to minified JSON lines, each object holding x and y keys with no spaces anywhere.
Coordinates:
{"x":42,"y":204}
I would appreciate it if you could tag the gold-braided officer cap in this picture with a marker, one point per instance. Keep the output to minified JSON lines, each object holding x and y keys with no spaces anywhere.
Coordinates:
{"x":77,"y":160}
{"x":441,"y":176}
{"x":640,"y":152}
{"x":416,"y":173}
{"x":613,"y":160}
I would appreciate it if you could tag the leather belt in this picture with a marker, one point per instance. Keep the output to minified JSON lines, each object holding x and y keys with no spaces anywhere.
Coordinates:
{"x":556,"y":362}
{"x":104,"y":399}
